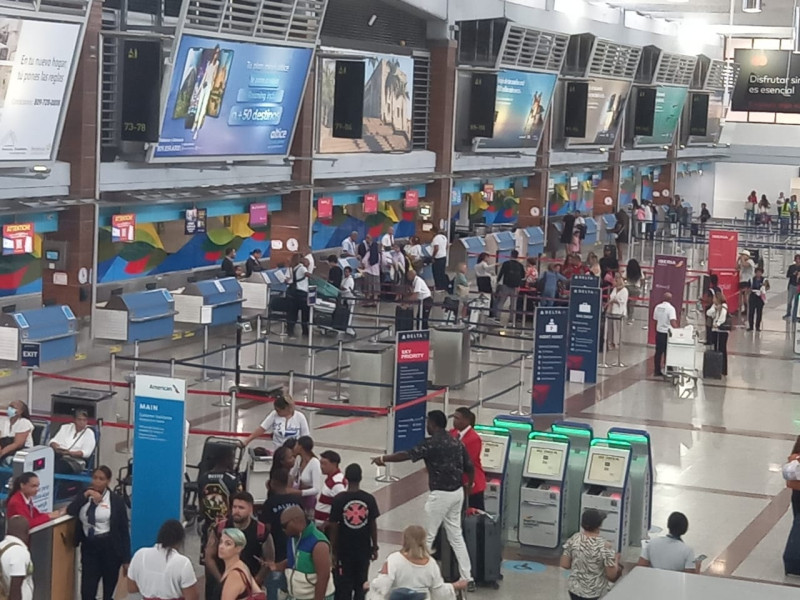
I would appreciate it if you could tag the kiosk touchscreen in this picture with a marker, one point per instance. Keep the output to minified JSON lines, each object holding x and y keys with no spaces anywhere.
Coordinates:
{"x":606,"y":487}
{"x":641,"y":477}
{"x":519,"y":429}
{"x":494,"y":458}
{"x":580,"y":437}
{"x":542,"y":505}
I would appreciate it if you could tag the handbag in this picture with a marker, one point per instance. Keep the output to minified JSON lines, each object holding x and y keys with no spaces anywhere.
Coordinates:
{"x":302,"y":586}
{"x":76,"y":465}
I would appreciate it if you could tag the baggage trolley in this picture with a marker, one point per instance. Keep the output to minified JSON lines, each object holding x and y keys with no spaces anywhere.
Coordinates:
{"x":681,"y":363}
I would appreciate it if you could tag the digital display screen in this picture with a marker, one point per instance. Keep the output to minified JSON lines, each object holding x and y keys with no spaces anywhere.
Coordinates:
{"x":51,"y":255}
{"x":544,"y":462}
{"x":493,"y":456}
{"x":606,"y":99}
{"x":607,"y":468}
{"x":38,"y":464}
{"x":668,"y":106}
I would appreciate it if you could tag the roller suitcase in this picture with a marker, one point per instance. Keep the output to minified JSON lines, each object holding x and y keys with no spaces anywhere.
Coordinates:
{"x":712,"y":364}
{"x":484,"y":539}
{"x":403,"y":319}
{"x":281,"y":304}
{"x":341,"y":316}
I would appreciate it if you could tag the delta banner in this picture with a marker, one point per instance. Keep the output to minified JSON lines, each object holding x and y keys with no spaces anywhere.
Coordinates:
{"x":769,"y":81}
{"x":159,"y":445}
{"x":722,"y":249}
{"x":17,"y":238}
{"x":669,"y":275}
{"x":411,"y":383}
{"x":549,"y":361}
{"x":585,"y":304}
{"x":370,"y":204}
{"x":123,"y":228}
{"x":229,"y":99}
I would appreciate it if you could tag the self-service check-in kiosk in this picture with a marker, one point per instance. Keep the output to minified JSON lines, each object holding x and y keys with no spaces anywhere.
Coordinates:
{"x":606,"y":487}
{"x":519,"y":428}
{"x":641,"y":478}
{"x":494,"y":458}
{"x":542,"y":503}
{"x":580,"y":436}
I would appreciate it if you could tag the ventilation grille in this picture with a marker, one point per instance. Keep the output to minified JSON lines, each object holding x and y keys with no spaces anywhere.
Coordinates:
{"x":421,"y":103}
{"x":109,"y":94}
{"x":614,"y":60}
{"x":721,"y":75}
{"x":533,"y":49}
{"x":74,"y":8}
{"x":347,"y":22}
{"x":296,"y":21}
{"x":675,"y":69}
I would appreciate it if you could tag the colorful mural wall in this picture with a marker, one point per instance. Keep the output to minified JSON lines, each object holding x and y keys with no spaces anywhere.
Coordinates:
{"x":22,"y":273}
{"x":567,"y":196}
{"x":627,"y":186}
{"x":503,"y":208}
{"x":347,"y":218}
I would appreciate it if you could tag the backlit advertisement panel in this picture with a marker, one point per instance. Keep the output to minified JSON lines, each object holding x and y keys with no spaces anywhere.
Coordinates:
{"x":521,"y":106}
{"x":670,"y":101}
{"x":231,"y":99}
{"x":604,"y":107}
{"x":716,"y":114}
{"x":36,"y":59}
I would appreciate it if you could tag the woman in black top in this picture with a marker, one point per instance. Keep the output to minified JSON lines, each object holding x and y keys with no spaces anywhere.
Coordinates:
{"x":103,"y":533}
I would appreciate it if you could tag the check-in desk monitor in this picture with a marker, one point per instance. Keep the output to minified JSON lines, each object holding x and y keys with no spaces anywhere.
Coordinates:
{"x":493,"y":460}
{"x":606,"y":487}
{"x":541,"y":508}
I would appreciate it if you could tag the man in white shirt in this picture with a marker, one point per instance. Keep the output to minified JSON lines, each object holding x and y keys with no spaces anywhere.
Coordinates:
{"x":15,"y":560}
{"x":387,"y":241}
{"x":310,"y":262}
{"x":349,"y":246}
{"x":73,"y":444}
{"x":439,"y":251}
{"x":670,"y":552}
{"x":420,"y":292}
{"x":665,"y":317}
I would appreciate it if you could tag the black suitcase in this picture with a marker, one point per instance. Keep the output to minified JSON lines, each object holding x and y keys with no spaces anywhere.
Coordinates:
{"x":712,"y":364}
{"x":484,"y":538}
{"x":403,"y":319}
{"x":341,"y":316}
{"x":281,"y":304}
{"x":791,"y":554}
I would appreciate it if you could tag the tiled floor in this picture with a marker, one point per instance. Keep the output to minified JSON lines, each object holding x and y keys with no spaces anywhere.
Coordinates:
{"x":717,"y":455}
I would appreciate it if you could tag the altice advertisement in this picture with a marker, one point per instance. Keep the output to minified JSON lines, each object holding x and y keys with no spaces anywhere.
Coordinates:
{"x":231,"y":99}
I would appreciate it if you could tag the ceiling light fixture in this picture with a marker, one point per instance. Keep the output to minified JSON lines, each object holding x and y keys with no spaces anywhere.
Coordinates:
{"x":751,"y":6}
{"x":374,"y":18}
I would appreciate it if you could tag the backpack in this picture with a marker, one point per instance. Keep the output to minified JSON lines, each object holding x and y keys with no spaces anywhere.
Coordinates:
{"x":4,"y":591}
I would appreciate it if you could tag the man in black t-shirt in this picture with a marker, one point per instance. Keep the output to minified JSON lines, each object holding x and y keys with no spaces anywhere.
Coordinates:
{"x":509,"y":280}
{"x":353,"y":531}
{"x":278,"y":501}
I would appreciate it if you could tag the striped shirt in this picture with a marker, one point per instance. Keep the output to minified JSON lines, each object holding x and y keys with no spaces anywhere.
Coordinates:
{"x":334,"y":485}
{"x":590,"y":556}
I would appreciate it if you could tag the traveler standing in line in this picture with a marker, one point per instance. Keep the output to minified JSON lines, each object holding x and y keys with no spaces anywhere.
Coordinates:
{"x":353,"y":531}
{"x":103,"y":534}
{"x":593,"y":264}
{"x":350,"y":246}
{"x":758,"y":297}
{"x":567,"y":229}
{"x":439,"y":251}
{"x":665,"y":317}
{"x":617,"y":306}
{"x":371,"y":264}
{"x":794,"y":484}
{"x":608,"y":265}
{"x":707,"y":301}
{"x":420,"y":292}
{"x":793,"y":209}
{"x":746,"y":268}
{"x":279,"y":500}
{"x":413,"y":251}
{"x":447,"y":461}
{"x":284,"y":422}
{"x":509,"y":280}
{"x":634,"y":281}
{"x":622,"y":232}
{"x":334,"y":272}
{"x":16,"y":565}
{"x":253,"y":263}
{"x":705,"y":216}
{"x":387,"y":241}
{"x":161,"y":571}
{"x":306,"y":475}
{"x":20,"y":501}
{"x":483,"y":274}
{"x":550,"y":281}
{"x":463,"y":424}
{"x":215,"y":489}
{"x":750,"y":208}
{"x":649,"y":220}
{"x":590,"y":559}
{"x":333,"y":485}
{"x":721,"y":326}
{"x":309,"y":261}
{"x":237,"y":582}
{"x":792,"y":283}
{"x":670,"y":552}
{"x":298,"y":293}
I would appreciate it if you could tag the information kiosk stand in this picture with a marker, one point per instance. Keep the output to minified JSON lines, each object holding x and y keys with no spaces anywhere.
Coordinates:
{"x":641,"y":476}
{"x":606,"y":487}
{"x":580,"y":436}
{"x":494,"y":458}
{"x":519,"y":429}
{"x":542,"y":497}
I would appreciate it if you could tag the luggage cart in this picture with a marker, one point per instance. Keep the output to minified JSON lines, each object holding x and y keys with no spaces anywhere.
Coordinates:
{"x":681,"y":361}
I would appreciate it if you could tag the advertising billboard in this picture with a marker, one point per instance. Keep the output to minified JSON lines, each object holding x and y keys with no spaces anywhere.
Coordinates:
{"x":670,"y":101}
{"x":18,"y":238}
{"x":521,"y":105}
{"x":606,"y":99}
{"x":229,"y":99}
{"x":769,"y":81}
{"x":36,"y":60}
{"x":388,"y":98}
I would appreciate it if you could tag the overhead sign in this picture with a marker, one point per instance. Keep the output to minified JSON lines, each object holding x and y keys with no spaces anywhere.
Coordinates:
{"x":325,"y":207}
{"x":123,"y":228}
{"x":229,"y":99}
{"x":141,"y":97}
{"x":605,"y":101}
{"x":18,"y":238}
{"x":482,"y":95}
{"x":769,"y":81}
{"x":723,"y":249}
{"x":411,"y":383}
{"x":549,"y":361}
{"x":36,"y":59}
{"x":30,"y":354}
{"x":670,"y":101}
{"x":412,"y":199}
{"x":669,"y":275}
{"x":370,"y":204}
{"x":159,"y":445}
{"x":585,"y":304}
{"x":259,"y":214}
{"x":348,"y":99}
{"x":195,"y":220}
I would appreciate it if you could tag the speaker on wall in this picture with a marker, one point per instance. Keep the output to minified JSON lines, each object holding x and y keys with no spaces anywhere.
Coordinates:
{"x":575,"y":109}
{"x":141,"y":89}
{"x":698,"y":115}
{"x":482,"y":94}
{"x":348,"y":99}
{"x":645,"y":111}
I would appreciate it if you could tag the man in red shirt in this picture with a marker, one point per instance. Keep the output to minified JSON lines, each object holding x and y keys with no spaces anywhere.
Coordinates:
{"x":463,"y":421}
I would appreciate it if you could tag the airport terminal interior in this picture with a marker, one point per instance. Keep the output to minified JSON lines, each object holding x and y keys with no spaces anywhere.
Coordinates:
{"x":574,"y":222}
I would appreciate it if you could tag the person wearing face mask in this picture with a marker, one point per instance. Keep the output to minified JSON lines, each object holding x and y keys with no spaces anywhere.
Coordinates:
{"x":20,"y":501}
{"x":20,"y":434}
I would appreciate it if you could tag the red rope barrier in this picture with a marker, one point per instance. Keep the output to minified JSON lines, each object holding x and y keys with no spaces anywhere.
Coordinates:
{"x":122,"y":384}
{"x":406,"y":405}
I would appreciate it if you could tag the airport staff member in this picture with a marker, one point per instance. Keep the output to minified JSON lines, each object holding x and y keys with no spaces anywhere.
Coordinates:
{"x":349,"y":246}
{"x":447,"y":461}
{"x":420,"y":292}
{"x":463,"y":423}
{"x":665,"y":317}
{"x":74,"y":444}
{"x":283,"y":423}
{"x":439,"y":251}
{"x":228,"y":268}
{"x":20,"y":501}
{"x":253,"y":264}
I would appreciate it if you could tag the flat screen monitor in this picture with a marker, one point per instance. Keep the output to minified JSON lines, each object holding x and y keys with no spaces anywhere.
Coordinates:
{"x":645,"y":111}
{"x":698,"y":115}
{"x":493,"y":456}
{"x":545,"y":462}
{"x":607,"y":469}
{"x":575,"y":109}
{"x":52,"y":255}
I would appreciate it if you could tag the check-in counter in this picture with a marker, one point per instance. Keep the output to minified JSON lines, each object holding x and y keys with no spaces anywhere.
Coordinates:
{"x":212,"y":302}
{"x":53,"y":328}
{"x":532,"y":241}
{"x":592,"y":231}
{"x":466,"y":250}
{"x":500,"y":244}
{"x":53,"y":554}
{"x":609,"y":222}
{"x":138,"y":316}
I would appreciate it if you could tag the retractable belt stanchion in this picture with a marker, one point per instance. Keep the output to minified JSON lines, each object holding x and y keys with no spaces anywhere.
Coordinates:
{"x":172,"y":367}
{"x":111,"y":370}
{"x":312,"y":380}
{"x":204,"y":376}
{"x":223,"y":401}
{"x":339,"y":396}
{"x":617,"y":318}
{"x":259,"y":333}
{"x":130,"y":378}
{"x":521,"y":390}
{"x":605,"y":364}
{"x":310,"y":330}
{"x":30,"y":388}
{"x":232,"y":421}
{"x":136,"y":355}
{"x":480,"y":394}
{"x":291,"y":383}
{"x":266,"y":361}
{"x":446,"y":401}
{"x":387,"y":476}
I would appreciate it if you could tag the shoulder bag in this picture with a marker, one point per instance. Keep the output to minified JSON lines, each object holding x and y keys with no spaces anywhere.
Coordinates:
{"x":301,"y":586}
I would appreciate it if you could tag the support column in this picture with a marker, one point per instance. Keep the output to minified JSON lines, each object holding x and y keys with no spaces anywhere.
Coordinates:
{"x":665,"y":186}
{"x":609,"y":184}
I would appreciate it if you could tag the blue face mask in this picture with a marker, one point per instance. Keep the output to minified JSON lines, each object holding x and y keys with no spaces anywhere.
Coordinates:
{"x":11,"y":412}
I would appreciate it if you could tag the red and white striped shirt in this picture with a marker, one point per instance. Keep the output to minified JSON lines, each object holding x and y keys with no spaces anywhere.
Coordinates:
{"x":334,"y":485}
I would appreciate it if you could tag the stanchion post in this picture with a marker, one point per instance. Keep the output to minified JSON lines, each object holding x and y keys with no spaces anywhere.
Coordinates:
{"x":256,"y":364}
{"x":111,"y":370}
{"x":135,"y":355}
{"x":131,"y":379}
{"x":291,"y":383}
{"x":223,"y":401}
{"x":310,"y":329}
{"x":419,"y":315}
{"x":387,"y":476}
{"x":520,"y":390}
{"x":232,"y":422}
{"x":266,"y":360}
{"x":312,"y":379}
{"x":446,"y":405}
{"x":339,"y":397}
{"x":30,"y":388}
{"x":480,"y":394}
{"x":205,"y":353}
{"x":172,"y":367}
{"x":619,"y":345}
{"x":605,"y":364}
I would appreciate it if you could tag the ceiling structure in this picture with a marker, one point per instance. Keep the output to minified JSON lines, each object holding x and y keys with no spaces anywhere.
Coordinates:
{"x":717,"y":14}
